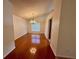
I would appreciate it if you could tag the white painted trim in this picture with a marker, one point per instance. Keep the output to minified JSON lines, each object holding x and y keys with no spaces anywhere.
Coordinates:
{"x":72,"y":57}
{"x":21,"y":36}
{"x":53,"y":49}
{"x":9,"y":52}
{"x":51,"y":45}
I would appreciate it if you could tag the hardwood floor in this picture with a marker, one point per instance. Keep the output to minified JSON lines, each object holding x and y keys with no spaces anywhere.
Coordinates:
{"x":31,"y":46}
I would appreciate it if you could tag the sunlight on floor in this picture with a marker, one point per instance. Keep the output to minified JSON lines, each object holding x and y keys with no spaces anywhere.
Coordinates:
{"x":33,"y":50}
{"x":36,"y":39}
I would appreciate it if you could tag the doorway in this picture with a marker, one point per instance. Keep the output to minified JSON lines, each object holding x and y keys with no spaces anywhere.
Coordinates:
{"x":50,"y":27}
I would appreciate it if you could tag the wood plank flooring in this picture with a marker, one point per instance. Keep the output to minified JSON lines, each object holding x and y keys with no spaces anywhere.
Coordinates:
{"x":31,"y":46}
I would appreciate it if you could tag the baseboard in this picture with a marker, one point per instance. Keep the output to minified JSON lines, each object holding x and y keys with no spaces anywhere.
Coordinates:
{"x":51,"y":46}
{"x":21,"y":36}
{"x":53,"y":49}
{"x":63,"y":56}
{"x":8,"y":52}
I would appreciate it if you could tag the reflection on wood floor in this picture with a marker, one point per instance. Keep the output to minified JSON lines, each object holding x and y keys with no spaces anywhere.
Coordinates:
{"x":31,"y":46}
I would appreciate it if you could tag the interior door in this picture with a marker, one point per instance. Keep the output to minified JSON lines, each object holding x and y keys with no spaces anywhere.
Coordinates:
{"x":50,"y":27}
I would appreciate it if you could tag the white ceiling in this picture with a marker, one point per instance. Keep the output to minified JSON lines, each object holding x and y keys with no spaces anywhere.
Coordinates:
{"x":30,"y":8}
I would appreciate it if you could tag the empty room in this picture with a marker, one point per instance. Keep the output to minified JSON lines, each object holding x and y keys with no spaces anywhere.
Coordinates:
{"x":39,"y":29}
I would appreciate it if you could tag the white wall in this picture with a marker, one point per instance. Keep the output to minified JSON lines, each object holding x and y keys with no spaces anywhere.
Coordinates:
{"x":63,"y":34}
{"x":55,"y":15}
{"x":66,"y":46}
{"x":8,"y":35}
{"x":20,"y":26}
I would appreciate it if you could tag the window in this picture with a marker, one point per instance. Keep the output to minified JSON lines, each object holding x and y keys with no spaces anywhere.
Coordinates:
{"x":36,"y":27}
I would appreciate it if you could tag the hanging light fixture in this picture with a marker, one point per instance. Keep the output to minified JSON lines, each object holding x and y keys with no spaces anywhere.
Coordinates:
{"x":32,"y":21}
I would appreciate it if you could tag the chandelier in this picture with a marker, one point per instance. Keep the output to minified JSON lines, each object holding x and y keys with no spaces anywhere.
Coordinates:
{"x":33,"y":21}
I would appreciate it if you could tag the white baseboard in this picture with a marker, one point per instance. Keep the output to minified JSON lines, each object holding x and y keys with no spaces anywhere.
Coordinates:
{"x":64,"y":56}
{"x":8,"y":52}
{"x":20,"y":36}
{"x":52,"y":47}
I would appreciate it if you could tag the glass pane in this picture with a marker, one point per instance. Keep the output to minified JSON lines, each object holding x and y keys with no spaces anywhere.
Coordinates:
{"x":36,"y":27}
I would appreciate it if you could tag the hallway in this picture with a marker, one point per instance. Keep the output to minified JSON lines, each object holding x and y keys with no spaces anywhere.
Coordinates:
{"x":31,"y":46}
{"x":55,"y":21}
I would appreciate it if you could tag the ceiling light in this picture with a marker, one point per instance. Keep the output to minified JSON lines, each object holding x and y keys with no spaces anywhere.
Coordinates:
{"x":32,"y":21}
